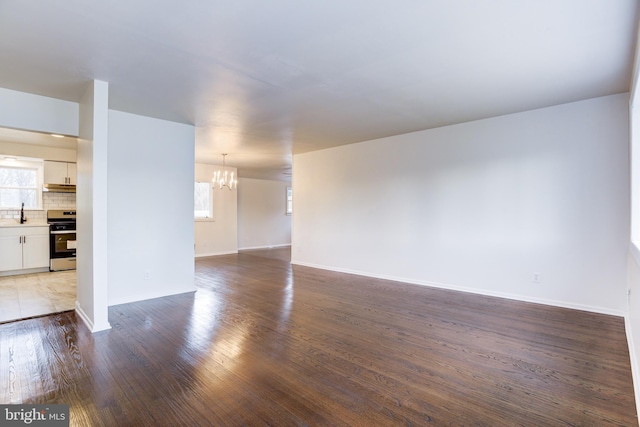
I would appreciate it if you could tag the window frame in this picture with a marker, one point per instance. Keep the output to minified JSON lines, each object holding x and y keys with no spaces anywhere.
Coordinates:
{"x":211,"y":211}
{"x":14,"y":162}
{"x":288,"y":200}
{"x":634,"y":161}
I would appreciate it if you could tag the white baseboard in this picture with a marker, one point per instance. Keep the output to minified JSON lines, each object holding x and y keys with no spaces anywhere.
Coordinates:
{"x":524,"y":298}
{"x":215,"y":254}
{"x":251,"y":248}
{"x":83,"y":316}
{"x":88,"y":322}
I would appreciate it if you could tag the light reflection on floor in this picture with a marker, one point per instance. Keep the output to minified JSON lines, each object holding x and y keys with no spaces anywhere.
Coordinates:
{"x":221,"y":342}
{"x":287,"y":301}
{"x":204,"y":320}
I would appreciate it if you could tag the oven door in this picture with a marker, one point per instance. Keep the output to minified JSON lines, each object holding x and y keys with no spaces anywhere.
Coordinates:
{"x":62,"y":244}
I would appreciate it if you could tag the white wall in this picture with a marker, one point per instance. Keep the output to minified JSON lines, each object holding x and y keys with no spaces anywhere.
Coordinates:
{"x":480,"y":206}
{"x":262,"y":220}
{"x":21,"y":110}
{"x":218,"y":235}
{"x":150,"y":210}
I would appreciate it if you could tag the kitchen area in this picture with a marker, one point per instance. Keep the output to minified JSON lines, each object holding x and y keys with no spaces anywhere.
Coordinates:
{"x":37,"y":224}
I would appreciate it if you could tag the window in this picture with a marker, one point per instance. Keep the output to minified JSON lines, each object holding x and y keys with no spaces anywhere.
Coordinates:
{"x":20,"y":182}
{"x":203,"y":203}
{"x":634,"y":116}
{"x":289,"y":201}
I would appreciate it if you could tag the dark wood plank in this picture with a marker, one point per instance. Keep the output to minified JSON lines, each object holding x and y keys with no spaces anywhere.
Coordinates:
{"x":265,"y":343}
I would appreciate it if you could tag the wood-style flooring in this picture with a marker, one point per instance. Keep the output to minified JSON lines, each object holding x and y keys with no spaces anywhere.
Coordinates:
{"x":265,"y":343}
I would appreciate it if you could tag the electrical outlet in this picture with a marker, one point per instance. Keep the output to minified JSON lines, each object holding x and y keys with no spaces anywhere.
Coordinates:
{"x":537,"y":277}
{"x":147,"y":275}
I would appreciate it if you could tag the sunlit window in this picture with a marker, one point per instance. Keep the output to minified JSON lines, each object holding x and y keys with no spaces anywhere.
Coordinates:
{"x":634,"y":116}
{"x":203,"y":203}
{"x":289,"y":201}
{"x":20,"y":182}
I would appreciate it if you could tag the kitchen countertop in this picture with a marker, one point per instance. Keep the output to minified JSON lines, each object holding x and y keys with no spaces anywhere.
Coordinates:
{"x":16,"y":223}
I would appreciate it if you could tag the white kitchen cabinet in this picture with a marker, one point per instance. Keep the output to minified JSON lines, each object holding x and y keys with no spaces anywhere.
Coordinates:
{"x":10,"y":249}
{"x":72,"y":172}
{"x":35,"y":250}
{"x":24,"y":248}
{"x":61,"y":173}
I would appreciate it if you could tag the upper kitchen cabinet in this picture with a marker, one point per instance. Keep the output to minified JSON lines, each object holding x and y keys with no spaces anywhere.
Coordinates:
{"x":72,"y":172}
{"x":59,"y":173}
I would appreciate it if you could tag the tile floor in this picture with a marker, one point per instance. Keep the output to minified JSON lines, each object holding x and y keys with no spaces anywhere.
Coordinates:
{"x":32,"y":295}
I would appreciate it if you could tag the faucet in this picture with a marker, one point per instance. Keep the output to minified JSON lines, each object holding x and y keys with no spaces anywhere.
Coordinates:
{"x":22,"y":218}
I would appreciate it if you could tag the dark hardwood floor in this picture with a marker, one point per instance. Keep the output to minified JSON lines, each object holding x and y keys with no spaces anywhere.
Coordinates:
{"x":265,"y":343}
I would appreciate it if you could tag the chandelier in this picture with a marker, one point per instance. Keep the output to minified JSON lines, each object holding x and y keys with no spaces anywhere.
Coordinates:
{"x":223,"y":178}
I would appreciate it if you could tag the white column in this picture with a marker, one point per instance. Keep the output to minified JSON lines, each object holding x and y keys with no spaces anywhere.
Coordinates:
{"x":91,"y":199}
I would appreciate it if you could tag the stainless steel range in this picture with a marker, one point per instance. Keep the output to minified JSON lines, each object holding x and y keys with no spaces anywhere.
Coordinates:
{"x":62,"y":240}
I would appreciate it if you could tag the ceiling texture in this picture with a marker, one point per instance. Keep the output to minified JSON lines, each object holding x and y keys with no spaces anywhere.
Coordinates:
{"x":263,"y":80}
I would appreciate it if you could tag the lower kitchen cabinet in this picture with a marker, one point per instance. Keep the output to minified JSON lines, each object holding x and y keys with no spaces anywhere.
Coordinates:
{"x":24,"y":248}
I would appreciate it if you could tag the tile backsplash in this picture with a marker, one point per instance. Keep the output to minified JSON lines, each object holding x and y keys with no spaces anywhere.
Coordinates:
{"x":58,"y":201}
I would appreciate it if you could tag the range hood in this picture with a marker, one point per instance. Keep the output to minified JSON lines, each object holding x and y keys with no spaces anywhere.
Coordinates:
{"x":60,"y":188}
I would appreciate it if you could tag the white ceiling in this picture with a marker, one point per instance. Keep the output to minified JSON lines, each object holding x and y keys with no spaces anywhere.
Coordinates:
{"x":264,"y":79}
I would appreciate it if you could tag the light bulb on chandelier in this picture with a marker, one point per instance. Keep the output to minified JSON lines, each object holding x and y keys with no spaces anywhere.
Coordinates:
{"x":223,"y":178}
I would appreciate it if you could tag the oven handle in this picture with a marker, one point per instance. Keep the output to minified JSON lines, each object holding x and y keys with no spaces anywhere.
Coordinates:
{"x":64,"y":232}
